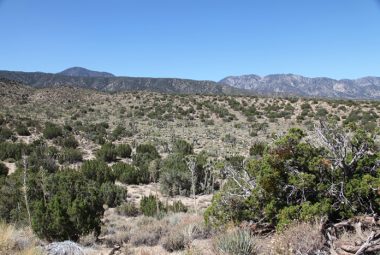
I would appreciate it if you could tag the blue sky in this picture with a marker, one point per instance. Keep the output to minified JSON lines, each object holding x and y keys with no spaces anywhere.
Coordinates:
{"x":198,"y":39}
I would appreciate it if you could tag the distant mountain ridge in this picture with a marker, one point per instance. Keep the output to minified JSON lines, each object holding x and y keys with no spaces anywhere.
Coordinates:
{"x":83,"y":72}
{"x":116,"y":84}
{"x":291,"y":84}
{"x":270,"y":85}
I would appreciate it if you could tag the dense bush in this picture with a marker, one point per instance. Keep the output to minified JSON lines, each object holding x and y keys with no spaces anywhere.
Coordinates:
{"x":118,"y":132}
{"x":107,"y":152}
{"x":177,"y":207}
{"x":112,"y":195}
{"x":145,"y":154}
{"x":12,"y":150}
{"x":12,"y":205}
{"x":295,"y":180}
{"x":5,"y":133}
{"x":182,"y":147}
{"x":151,"y":206}
{"x":22,"y":130}
{"x":42,"y":156}
{"x":70,"y":155}
{"x":257,"y":149}
{"x":175,"y":177}
{"x":3,"y":169}
{"x":98,"y":171}
{"x":52,"y":130}
{"x":70,"y":142}
{"x":124,"y":150}
{"x":64,"y":214}
{"x":129,"y":174}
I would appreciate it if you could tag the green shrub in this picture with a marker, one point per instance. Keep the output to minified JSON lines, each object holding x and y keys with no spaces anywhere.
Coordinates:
{"x":118,"y":132}
{"x":70,"y":142}
{"x":5,"y":133}
{"x":12,"y":205}
{"x":257,"y":149}
{"x":3,"y":169}
{"x":238,"y":242}
{"x":112,"y":195}
{"x":145,"y":154}
{"x":182,"y":147}
{"x":64,"y":214}
{"x":124,"y":150}
{"x":177,"y":207}
{"x":52,"y":131}
{"x":293,"y":182}
{"x":12,"y":150}
{"x":43,"y":157}
{"x":128,"y":209}
{"x":151,"y":206}
{"x":107,"y":152}
{"x":22,"y":130}
{"x":129,"y":174}
{"x":175,"y":177}
{"x":98,"y":171}
{"x":70,"y":155}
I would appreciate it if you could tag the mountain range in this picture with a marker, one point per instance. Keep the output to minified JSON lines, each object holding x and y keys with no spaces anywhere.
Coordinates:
{"x":270,"y":85}
{"x":322,"y":87}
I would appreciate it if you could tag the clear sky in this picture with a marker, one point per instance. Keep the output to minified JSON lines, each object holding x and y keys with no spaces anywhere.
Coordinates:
{"x":198,"y":39}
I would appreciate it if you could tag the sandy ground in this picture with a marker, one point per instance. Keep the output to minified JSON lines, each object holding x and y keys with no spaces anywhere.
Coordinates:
{"x":136,"y":192}
{"x":11,"y":167}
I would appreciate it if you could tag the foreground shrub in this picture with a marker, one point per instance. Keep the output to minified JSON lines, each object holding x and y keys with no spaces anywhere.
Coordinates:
{"x":22,"y":130}
{"x":52,"y":131}
{"x":257,"y":149}
{"x":43,"y":157}
{"x":145,"y":154}
{"x":124,"y":150}
{"x":176,"y":177}
{"x":151,"y":206}
{"x":295,"y":180}
{"x":70,"y":155}
{"x":5,"y":133}
{"x":174,"y":241}
{"x":3,"y":169}
{"x":70,"y":142}
{"x":107,"y":152}
{"x":64,"y":215}
{"x":177,"y":207}
{"x":12,"y":150}
{"x":98,"y":171}
{"x":112,"y":195}
{"x":238,"y":242}
{"x":129,"y":174}
{"x":182,"y":147}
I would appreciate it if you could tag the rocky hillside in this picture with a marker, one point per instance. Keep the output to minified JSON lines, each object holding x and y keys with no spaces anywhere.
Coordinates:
{"x":83,"y":72}
{"x":116,"y":84}
{"x":290,"y":84}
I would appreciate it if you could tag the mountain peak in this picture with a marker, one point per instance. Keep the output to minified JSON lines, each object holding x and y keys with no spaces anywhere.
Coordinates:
{"x":83,"y":72}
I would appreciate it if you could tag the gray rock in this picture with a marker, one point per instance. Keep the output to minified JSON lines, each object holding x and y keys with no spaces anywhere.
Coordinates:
{"x":64,"y":248}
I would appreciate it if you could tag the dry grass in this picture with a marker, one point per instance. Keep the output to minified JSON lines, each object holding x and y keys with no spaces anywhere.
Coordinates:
{"x":17,"y":241}
{"x":299,"y":238}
